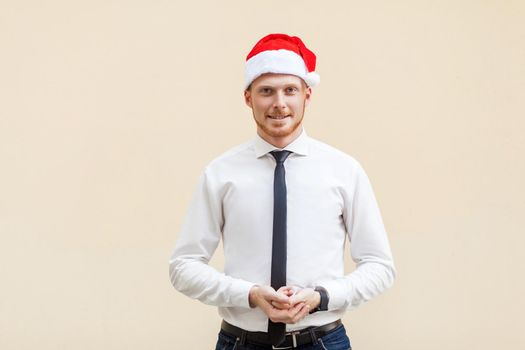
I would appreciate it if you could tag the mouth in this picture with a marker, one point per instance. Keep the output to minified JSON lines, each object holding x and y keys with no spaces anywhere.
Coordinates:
{"x":278,"y":117}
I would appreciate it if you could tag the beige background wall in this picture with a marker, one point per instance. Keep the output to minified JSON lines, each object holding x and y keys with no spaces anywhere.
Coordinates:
{"x":109,"y":110}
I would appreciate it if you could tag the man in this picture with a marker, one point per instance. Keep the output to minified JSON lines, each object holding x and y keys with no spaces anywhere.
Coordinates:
{"x":283,"y":204}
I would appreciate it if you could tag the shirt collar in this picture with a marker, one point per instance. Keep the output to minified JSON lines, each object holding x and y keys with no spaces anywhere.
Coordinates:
{"x":298,"y":146}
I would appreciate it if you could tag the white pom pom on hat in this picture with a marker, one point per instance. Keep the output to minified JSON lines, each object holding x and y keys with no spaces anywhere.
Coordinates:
{"x":282,"y":54}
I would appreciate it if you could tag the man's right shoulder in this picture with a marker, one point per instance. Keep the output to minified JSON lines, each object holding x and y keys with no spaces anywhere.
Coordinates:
{"x":232,"y":156}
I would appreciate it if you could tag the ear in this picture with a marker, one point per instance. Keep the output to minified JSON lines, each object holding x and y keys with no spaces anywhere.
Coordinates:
{"x":308,"y":95}
{"x":248,"y":98}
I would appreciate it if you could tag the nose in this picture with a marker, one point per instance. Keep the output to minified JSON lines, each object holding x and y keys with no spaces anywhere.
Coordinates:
{"x":279,"y":101}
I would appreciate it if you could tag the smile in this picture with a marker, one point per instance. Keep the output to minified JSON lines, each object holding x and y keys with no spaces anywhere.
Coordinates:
{"x":278,"y":117}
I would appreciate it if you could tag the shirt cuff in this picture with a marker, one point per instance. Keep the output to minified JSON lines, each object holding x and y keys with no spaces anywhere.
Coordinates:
{"x":241,"y":293}
{"x":337,"y":294}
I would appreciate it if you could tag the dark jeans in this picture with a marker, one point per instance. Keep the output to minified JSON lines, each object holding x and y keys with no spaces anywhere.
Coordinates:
{"x":335,"y":340}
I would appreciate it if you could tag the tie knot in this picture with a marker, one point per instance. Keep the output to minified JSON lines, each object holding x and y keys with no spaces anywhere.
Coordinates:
{"x":280,"y":156}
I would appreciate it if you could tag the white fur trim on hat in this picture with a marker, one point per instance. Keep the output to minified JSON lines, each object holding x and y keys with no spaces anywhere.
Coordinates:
{"x":279,"y":62}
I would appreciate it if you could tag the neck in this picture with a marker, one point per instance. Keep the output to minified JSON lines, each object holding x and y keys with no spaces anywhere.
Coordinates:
{"x":281,"y":142}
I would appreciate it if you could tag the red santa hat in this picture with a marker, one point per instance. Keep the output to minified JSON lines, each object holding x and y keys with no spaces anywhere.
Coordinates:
{"x":283,"y":54}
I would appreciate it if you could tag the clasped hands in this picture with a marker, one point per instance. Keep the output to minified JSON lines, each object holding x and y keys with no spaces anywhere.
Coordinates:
{"x":287,"y":304}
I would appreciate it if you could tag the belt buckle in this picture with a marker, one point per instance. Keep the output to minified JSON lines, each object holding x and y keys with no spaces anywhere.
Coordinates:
{"x":294,"y":342}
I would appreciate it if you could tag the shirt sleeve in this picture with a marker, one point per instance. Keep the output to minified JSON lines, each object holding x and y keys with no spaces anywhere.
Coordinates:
{"x":369,"y":248}
{"x":189,"y":271}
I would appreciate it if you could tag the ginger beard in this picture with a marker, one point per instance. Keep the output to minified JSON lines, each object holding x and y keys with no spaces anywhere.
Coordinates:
{"x":280,"y":128}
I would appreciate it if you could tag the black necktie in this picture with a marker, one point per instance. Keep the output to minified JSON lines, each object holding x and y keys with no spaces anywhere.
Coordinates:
{"x":277,"y":330}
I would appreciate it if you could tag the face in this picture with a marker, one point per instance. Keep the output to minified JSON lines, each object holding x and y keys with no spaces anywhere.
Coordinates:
{"x":278,"y":102}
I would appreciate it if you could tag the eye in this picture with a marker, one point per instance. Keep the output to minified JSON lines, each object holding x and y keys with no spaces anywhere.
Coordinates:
{"x":265,"y":91}
{"x":291,"y":89}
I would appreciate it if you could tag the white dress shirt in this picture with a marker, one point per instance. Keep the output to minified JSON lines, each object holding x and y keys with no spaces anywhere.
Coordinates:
{"x":329,"y":196}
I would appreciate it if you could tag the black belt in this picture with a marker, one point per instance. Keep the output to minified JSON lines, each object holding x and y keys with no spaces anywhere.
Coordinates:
{"x":292,"y":339}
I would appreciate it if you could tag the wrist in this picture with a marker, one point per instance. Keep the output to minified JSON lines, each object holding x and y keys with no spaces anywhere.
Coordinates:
{"x":252,"y":296}
{"x":317,"y":300}
{"x":323,"y":298}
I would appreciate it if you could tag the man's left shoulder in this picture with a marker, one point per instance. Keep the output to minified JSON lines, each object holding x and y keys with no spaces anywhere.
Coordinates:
{"x":324,"y":150}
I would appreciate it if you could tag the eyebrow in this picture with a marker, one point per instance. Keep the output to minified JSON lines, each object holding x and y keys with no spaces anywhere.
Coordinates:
{"x":282,"y":85}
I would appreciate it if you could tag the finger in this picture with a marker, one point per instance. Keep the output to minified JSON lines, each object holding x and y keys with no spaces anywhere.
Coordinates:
{"x":302,"y":314}
{"x":292,"y":312}
{"x":289,"y":316}
{"x":282,"y":306}
{"x":286,"y":315}
{"x":295,"y":301}
{"x":302,"y":295}
{"x":286,"y":290}
{"x":277,"y":315}
{"x":278,"y":297}
{"x":269,"y":294}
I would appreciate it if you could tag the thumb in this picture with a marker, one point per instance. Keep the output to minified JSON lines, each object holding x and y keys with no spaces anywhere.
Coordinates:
{"x":300,"y":296}
{"x":286,"y":290}
{"x":279,"y":297}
